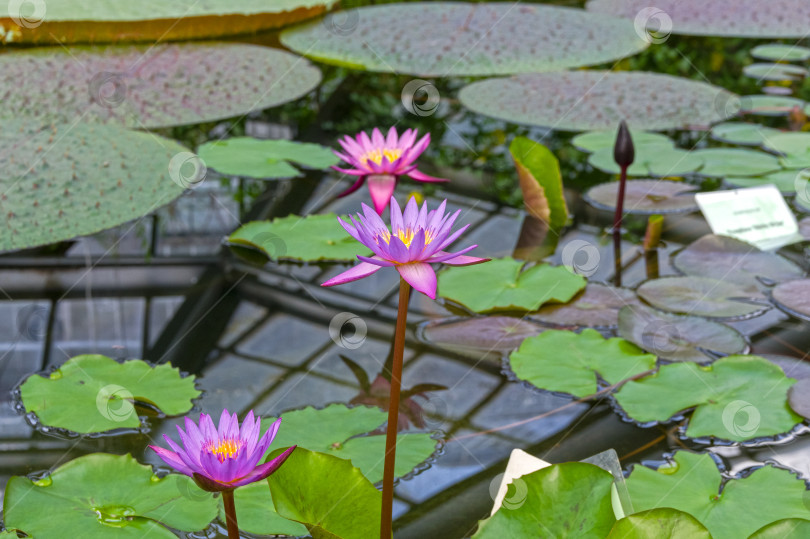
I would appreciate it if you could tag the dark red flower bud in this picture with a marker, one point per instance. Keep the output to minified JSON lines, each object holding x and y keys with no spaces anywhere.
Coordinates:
{"x":623,"y":151}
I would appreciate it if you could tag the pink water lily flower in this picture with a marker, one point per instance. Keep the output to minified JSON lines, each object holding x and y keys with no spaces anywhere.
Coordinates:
{"x":417,"y":239}
{"x":225,"y":458}
{"x":381,"y":161}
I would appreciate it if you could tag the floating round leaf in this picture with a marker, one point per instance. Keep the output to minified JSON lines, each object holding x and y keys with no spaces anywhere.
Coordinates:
{"x":597,"y":306}
{"x":793,"y":297}
{"x":590,"y":100}
{"x":63,"y":181}
{"x":501,"y":284}
{"x":779,"y":52}
{"x":102,"y":496}
{"x":719,"y":162}
{"x":740,"y":18}
{"x":784,"y":180}
{"x":728,"y":398}
{"x":311,"y":238}
{"x":701,"y":296}
{"x":742,"y":133}
{"x":150,"y":86}
{"x":788,"y":528}
{"x":93,"y":393}
{"x":254,"y":158}
{"x":692,"y":483}
{"x":799,"y":397}
{"x":65,"y":21}
{"x":777,"y":72}
{"x":567,"y":362}
{"x":768,"y":105}
{"x":661,"y":523}
{"x":598,"y":140}
{"x":654,"y":159}
{"x":479,"y":335}
{"x":678,"y":338}
{"x":734,"y":261}
{"x":256,"y":514}
{"x":645,"y":197}
{"x":791,"y":144}
{"x":463,"y":39}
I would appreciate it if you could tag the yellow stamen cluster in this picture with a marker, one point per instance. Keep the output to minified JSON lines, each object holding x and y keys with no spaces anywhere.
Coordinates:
{"x":377,"y":154}
{"x":225,"y":449}
{"x":406,"y":236}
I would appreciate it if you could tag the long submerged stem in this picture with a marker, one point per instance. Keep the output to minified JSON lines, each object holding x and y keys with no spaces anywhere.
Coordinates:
{"x":393,"y":412}
{"x":617,"y":229}
{"x":230,"y":514}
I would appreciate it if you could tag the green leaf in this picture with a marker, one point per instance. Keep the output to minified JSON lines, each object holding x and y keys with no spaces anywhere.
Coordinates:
{"x":692,"y":484}
{"x":662,"y":523}
{"x":502,"y":285}
{"x":789,"y":528}
{"x":701,"y":296}
{"x":312,"y":238}
{"x":563,"y":500}
{"x":255,"y":512}
{"x":742,"y":133}
{"x":102,"y":496}
{"x":786,"y":181}
{"x":540,"y":181}
{"x":769,"y":105}
{"x":564,"y":361}
{"x":593,"y":141}
{"x":93,"y":393}
{"x":719,"y":162}
{"x":254,"y":158}
{"x":775,"y":72}
{"x":728,"y":398}
{"x":780,"y":52}
{"x":657,"y":159}
{"x":326,"y":494}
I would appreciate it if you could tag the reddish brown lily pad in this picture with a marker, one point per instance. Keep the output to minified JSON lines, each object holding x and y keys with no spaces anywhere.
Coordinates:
{"x":645,"y":197}
{"x":597,"y":306}
{"x":479,"y":335}
{"x":793,"y":297}
{"x":700,"y":296}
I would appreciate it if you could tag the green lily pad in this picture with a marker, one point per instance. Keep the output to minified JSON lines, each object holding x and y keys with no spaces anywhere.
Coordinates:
{"x":645,"y":197}
{"x":149,"y":86}
{"x":727,"y":396}
{"x":734,"y":261}
{"x":793,"y":297}
{"x":593,"y":100}
{"x":784,"y":180}
{"x":700,"y":296}
{"x":100,"y":21}
{"x":563,"y":500}
{"x":597,"y":306}
{"x":551,"y":39}
{"x":312,"y":238}
{"x":794,"y":162}
{"x":743,"y":133}
{"x":327,"y":495}
{"x":255,"y":512}
{"x":776,"y":72}
{"x":567,"y":362}
{"x":692,"y":483}
{"x":795,"y":147}
{"x":719,"y":162}
{"x":501,"y":284}
{"x":102,"y":496}
{"x":779,"y":52}
{"x":789,"y":528}
{"x":62,"y":181}
{"x":254,"y":158}
{"x":677,"y":337}
{"x":93,"y":393}
{"x":657,"y":159}
{"x":598,"y":140}
{"x":738,"y":18}
{"x":769,"y":105}
{"x":662,"y":523}
{"x":480,"y":334}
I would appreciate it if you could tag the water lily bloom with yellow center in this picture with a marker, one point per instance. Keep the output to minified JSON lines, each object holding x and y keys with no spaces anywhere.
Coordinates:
{"x":225,"y":458}
{"x":381,"y":161}
{"x":417,"y":239}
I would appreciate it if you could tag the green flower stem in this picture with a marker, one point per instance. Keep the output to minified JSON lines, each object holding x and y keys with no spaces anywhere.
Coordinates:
{"x":230,"y":514}
{"x":393,"y":412}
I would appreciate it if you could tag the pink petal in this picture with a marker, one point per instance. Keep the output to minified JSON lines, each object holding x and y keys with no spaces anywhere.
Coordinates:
{"x":265,"y":470}
{"x":208,"y":484}
{"x":463,"y":260}
{"x":420,"y":146}
{"x":417,"y":245}
{"x":443,"y":256}
{"x":411,"y":214}
{"x":172,"y":459}
{"x":352,"y":172}
{"x":363,"y":269}
{"x":422,"y":177}
{"x":364,"y":141}
{"x":407,"y":138}
{"x":377,"y":139}
{"x":350,"y":229}
{"x":396,"y":217}
{"x":421,"y":276}
{"x":392,"y":138}
{"x":377,"y":261}
{"x":399,"y":252}
{"x":381,"y":187}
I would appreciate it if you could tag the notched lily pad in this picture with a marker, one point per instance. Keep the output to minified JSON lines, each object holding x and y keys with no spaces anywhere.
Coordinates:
{"x":743,"y":133}
{"x":645,"y":197}
{"x":94,"y":393}
{"x":677,"y":337}
{"x":701,"y":296}
{"x":593,"y":141}
{"x":727,"y":397}
{"x":650,"y":160}
{"x":793,"y":297}
{"x":502,"y":285}
{"x":661,"y":523}
{"x":102,"y":496}
{"x":597,"y":306}
{"x":720,"y":162}
{"x":479,"y":335}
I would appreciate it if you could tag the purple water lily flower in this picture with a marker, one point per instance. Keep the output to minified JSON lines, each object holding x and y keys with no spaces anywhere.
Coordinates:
{"x":381,"y":161}
{"x":225,"y":458}
{"x":417,"y":239}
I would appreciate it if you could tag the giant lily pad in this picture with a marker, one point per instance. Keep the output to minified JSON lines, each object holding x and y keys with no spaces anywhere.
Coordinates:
{"x":102,"y":496}
{"x":700,"y":296}
{"x":741,"y":18}
{"x":661,"y":523}
{"x":719,"y":162}
{"x":93,"y":393}
{"x":463,"y":39}
{"x":776,"y":72}
{"x":567,"y":362}
{"x":793,"y":297}
{"x":692,"y":483}
{"x":311,"y":238}
{"x":501,"y":284}
{"x":742,"y":133}
{"x":784,"y":180}
{"x":593,"y":141}
{"x":658,"y":159}
{"x":769,"y":105}
{"x":728,"y":397}
{"x":590,"y":100}
{"x":479,"y":335}
{"x":254,"y":158}
{"x":734,"y":261}
{"x":65,"y":21}
{"x":562,"y":500}
{"x":645,"y":197}
{"x":678,"y":338}
{"x":597,"y":306}
{"x":62,"y":181}
{"x":779,"y":52}
{"x":150,"y":86}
